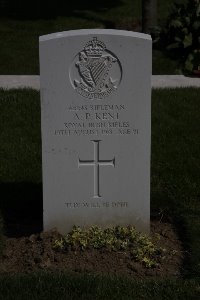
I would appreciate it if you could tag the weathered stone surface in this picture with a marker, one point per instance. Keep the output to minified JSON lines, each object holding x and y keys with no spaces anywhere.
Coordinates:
{"x":96,"y":123}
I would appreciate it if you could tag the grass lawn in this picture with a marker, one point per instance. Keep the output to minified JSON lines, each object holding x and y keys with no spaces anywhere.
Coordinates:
{"x":88,"y":287}
{"x":20,"y":38}
{"x":175,"y":190}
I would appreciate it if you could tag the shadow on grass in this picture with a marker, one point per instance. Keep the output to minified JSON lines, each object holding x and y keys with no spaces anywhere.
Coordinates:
{"x":21,"y":207}
{"x":165,"y":210}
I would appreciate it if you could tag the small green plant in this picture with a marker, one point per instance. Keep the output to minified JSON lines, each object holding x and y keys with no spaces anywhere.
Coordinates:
{"x":181,"y":35}
{"x":118,"y":238}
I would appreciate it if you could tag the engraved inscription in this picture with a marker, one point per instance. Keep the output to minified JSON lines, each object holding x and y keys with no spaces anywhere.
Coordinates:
{"x":96,"y":163}
{"x":96,"y":72}
{"x":102,"y":204}
{"x":98,"y":120}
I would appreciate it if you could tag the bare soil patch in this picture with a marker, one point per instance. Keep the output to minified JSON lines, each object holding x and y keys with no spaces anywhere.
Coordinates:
{"x":33,"y":253}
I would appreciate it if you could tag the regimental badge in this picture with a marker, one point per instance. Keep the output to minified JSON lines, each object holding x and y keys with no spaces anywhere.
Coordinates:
{"x":95,"y":72}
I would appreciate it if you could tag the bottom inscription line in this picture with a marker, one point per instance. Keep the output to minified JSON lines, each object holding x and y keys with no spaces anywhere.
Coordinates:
{"x":96,"y":204}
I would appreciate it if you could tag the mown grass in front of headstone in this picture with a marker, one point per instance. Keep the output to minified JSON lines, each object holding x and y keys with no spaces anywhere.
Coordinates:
{"x":175,"y":164}
{"x":175,"y":190}
{"x":20,"y":148}
{"x":89,"y":287}
{"x":20,"y":160}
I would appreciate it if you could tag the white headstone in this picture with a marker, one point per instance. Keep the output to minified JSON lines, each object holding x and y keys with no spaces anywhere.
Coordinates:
{"x":96,"y":126}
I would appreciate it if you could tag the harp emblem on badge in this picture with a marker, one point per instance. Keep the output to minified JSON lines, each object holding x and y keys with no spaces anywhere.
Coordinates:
{"x":98,"y":71}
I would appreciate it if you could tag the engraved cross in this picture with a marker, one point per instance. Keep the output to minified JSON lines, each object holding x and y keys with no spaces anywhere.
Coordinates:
{"x":96,"y":163}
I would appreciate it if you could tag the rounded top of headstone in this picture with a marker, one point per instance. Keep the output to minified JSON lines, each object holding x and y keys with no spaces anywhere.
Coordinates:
{"x":83,"y":32}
